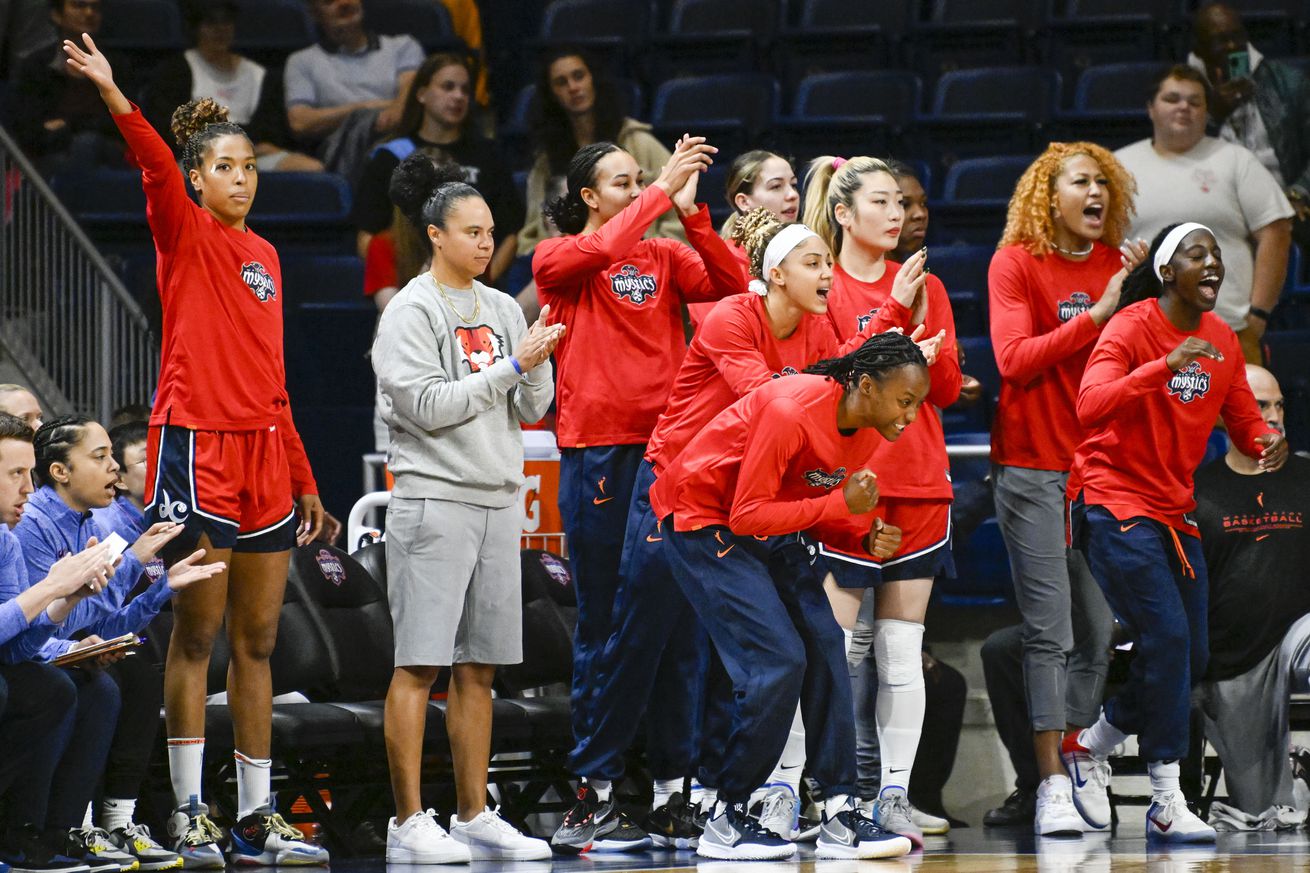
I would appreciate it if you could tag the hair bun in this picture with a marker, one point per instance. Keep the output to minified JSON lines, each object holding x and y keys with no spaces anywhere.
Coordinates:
{"x":194,"y":116}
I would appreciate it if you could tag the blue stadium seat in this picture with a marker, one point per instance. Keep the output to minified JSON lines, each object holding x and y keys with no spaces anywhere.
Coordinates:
{"x":1109,"y":105}
{"x":832,"y":35}
{"x":515,"y":134}
{"x":301,"y":199}
{"x":961,"y":268}
{"x":853,"y":112}
{"x":322,"y":279}
{"x":988,"y":111}
{"x":706,"y":37}
{"x":142,"y":25}
{"x":273,"y":27}
{"x":427,"y":22}
{"x":974,"y":199}
{"x":615,"y":33}
{"x":969,"y":309}
{"x":965,"y":33}
{"x":733,"y":109}
{"x":1079,"y":34}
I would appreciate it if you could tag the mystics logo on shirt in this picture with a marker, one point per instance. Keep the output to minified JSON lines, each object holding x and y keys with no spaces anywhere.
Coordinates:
{"x":259,"y":281}
{"x":786,"y":371}
{"x":1190,"y":382}
{"x":480,"y":347}
{"x":823,"y":479}
{"x":862,"y":321}
{"x":1078,"y":303}
{"x":633,"y":284}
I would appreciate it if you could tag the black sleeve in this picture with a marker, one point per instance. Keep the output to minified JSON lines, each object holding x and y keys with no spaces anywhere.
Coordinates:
{"x":372,"y":210}
{"x":169,"y":88}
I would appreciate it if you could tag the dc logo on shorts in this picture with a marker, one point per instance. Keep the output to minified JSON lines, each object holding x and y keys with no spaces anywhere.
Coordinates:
{"x":1190,"y":382}
{"x":330,"y":566}
{"x":259,"y":281}
{"x":633,"y":284}
{"x":172,"y":510}
{"x":480,"y":346}
{"x":861,"y":322}
{"x":1078,"y":303}
{"x":786,"y":371}
{"x":823,"y":479}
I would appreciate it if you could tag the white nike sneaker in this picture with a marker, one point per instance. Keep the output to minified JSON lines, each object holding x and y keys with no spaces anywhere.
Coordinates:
{"x":420,"y":840}
{"x":1090,"y":775}
{"x":1056,"y":815}
{"x":490,"y":838}
{"x":1169,"y":820}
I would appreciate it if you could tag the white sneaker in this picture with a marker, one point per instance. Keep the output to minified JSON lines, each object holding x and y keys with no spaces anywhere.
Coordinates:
{"x":1056,"y":815}
{"x":891,"y":812}
{"x":1168,"y":819}
{"x":931,"y":825}
{"x":780,"y":811}
{"x":1090,"y":775}
{"x":490,"y":838}
{"x":420,"y":840}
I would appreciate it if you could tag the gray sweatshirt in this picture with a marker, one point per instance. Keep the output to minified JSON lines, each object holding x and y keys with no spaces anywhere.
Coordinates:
{"x":451,"y":396}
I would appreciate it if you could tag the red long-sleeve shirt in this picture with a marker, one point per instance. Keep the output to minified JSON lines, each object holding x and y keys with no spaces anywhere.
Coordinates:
{"x":1042,"y":337}
{"x":697,"y":312}
{"x":222,"y":365}
{"x":734,"y":352}
{"x":1147,"y":427}
{"x":772,"y":463}
{"x":916,"y":464}
{"x":621,"y":298}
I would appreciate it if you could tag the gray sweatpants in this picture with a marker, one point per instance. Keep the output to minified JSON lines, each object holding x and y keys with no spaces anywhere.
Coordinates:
{"x":1246,"y":721}
{"x":1054,"y":588}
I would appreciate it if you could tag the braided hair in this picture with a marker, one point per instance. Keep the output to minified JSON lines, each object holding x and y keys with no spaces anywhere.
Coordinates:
{"x":1142,"y":283}
{"x":55,"y":440}
{"x":880,"y":354}
{"x":569,"y":211}
{"x":754,"y":231}
{"x":198,"y":123}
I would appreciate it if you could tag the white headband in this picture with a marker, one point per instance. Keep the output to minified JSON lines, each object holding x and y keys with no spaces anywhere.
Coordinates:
{"x":1169,"y":247}
{"x":779,"y":247}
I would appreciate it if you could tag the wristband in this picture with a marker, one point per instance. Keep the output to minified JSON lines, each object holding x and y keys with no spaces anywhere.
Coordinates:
{"x":518,"y":368}
{"x":1262,"y":314}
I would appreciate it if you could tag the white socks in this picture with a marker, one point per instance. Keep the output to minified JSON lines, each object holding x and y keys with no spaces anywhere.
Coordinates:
{"x":1164,"y":778}
{"x":116,"y":812}
{"x":664,"y":790}
{"x":186,"y":759}
{"x":1102,"y":738}
{"x":254,"y":790}
{"x":898,"y":652}
{"x":835,"y":804}
{"x":603,"y":788}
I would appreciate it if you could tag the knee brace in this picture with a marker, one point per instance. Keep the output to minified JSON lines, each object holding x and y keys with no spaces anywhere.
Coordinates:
{"x":898,"y":651}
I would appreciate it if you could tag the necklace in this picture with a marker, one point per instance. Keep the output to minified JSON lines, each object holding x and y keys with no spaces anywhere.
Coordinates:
{"x":1078,"y":254}
{"x":477,"y":302}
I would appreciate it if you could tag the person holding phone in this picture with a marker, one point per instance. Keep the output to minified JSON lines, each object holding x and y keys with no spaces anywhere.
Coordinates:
{"x":1257,"y":102}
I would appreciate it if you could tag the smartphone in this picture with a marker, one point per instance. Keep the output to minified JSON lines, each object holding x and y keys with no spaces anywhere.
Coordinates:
{"x":1239,"y":65}
{"x":117,"y":545}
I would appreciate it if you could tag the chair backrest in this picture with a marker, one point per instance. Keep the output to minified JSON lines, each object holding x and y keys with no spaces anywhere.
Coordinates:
{"x":701,"y":17}
{"x":749,"y":98}
{"x":588,"y":20}
{"x":1115,"y":87}
{"x":973,"y":12}
{"x":429,"y":23}
{"x":961,"y":268}
{"x":142,"y":24}
{"x":548,"y":625}
{"x":1030,"y":91}
{"x":322,"y":279}
{"x":299,"y":198}
{"x":887,"y":14}
{"x":273,"y":25}
{"x":892,"y":94}
{"x":984,"y":179}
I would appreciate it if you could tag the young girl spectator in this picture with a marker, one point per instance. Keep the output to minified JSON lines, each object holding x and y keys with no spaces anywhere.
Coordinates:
{"x":251,"y":92}
{"x":1164,"y":368}
{"x":577,"y":106}
{"x":459,"y":370}
{"x":855,"y":205}
{"x":1054,"y":282}
{"x":436,"y":121}
{"x":622,"y":298}
{"x":225,"y":460}
{"x":740,"y":495}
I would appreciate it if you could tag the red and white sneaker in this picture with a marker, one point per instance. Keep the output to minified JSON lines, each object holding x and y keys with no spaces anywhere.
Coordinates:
{"x":1090,"y":775}
{"x":1169,"y":820}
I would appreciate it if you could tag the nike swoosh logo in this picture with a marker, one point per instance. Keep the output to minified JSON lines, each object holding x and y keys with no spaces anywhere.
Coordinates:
{"x":599,"y":500}
{"x":1163,"y":827}
{"x":725,"y":551}
{"x":1124,"y":528}
{"x":1078,"y":779}
{"x":1262,"y":537}
{"x":652,"y":539}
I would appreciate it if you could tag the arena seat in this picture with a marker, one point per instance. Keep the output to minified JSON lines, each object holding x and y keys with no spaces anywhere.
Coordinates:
{"x":709,"y":37}
{"x":429,"y":23}
{"x":958,"y":34}
{"x":1079,"y":34}
{"x":142,"y":26}
{"x":733,"y":110}
{"x":975,"y":196}
{"x":961,"y":268}
{"x":614,"y":32}
{"x":1109,"y":105}
{"x":835,"y":35}
{"x":987,"y":111}
{"x":271,"y":29}
{"x":1289,"y":360}
{"x":322,"y":279}
{"x":851,"y":113}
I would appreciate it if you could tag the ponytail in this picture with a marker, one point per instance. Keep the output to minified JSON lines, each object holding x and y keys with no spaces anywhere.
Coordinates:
{"x":832,"y":180}
{"x":196,"y":124}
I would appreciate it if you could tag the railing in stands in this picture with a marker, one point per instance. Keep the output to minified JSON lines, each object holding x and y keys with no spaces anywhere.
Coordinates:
{"x":67,"y":322}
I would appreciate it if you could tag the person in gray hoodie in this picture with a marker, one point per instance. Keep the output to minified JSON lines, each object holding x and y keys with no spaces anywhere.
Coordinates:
{"x":459,"y":371}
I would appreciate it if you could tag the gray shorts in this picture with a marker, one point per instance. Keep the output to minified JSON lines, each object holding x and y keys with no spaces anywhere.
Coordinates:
{"x":453,"y":582}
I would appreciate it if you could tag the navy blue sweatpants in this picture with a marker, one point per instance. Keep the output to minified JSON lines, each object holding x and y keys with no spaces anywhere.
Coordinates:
{"x":652,"y":663}
{"x":763,"y":605}
{"x":595,"y":490}
{"x":1155,"y":582}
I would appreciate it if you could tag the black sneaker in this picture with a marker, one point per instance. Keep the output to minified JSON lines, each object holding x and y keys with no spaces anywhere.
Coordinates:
{"x":595,"y":826}
{"x":1020,"y":808}
{"x":25,"y":851}
{"x":732,"y":835}
{"x":673,"y":825}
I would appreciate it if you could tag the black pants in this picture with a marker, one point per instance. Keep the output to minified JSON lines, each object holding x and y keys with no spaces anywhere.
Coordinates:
{"x":141,"y":685}
{"x":37,"y":703}
{"x":1002,"y":663}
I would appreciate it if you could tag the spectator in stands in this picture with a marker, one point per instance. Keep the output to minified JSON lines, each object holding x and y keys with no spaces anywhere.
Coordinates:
{"x":1258,"y":102}
{"x":1163,"y":370}
{"x":436,"y":122}
{"x":1054,"y":283}
{"x":128,"y":412}
{"x":25,"y":28}
{"x":460,"y":371}
{"x":210,"y":68}
{"x":576,"y":106}
{"x":46,"y":711}
{"x":855,"y":206}
{"x":1256,"y":548}
{"x":20,"y":403}
{"x":348,"y":89}
{"x":61,"y":122}
{"x":1182,"y":173}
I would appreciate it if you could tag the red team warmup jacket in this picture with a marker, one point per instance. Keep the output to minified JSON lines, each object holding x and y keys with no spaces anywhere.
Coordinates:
{"x":621,"y":297}
{"x":1147,"y":427}
{"x":222,"y":365}
{"x":1042,"y":337}
{"x":772,"y":463}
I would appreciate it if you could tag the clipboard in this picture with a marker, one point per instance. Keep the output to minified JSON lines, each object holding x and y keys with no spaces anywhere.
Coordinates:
{"x":104,"y":647}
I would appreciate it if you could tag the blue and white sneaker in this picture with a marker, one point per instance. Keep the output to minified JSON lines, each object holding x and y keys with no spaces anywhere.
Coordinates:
{"x":850,"y":834}
{"x":264,"y":839}
{"x":732,"y":835}
{"x":193,"y":837}
{"x":1169,"y":820}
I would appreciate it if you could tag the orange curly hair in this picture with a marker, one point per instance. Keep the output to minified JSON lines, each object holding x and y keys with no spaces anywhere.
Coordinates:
{"x":1029,"y":222}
